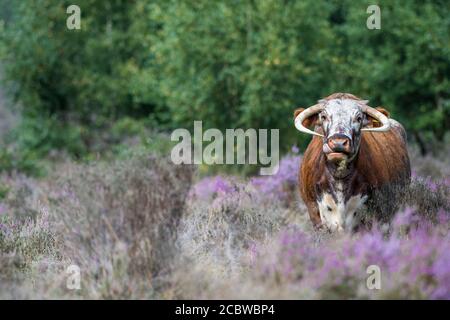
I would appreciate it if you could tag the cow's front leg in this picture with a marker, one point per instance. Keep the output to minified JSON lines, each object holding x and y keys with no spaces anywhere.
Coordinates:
{"x":314,"y":214}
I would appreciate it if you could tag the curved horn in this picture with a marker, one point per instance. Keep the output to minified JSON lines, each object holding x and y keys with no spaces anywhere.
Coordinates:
{"x":386,"y":124}
{"x":306,"y":114}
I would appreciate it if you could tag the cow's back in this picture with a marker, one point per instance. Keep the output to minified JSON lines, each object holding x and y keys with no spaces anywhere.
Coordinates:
{"x":383,"y":157}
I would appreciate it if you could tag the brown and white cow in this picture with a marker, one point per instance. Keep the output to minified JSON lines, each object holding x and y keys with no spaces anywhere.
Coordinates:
{"x":356,"y":149}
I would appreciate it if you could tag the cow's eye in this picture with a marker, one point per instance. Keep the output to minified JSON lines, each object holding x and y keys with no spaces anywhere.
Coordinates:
{"x":323,"y":117}
{"x":359,"y":119}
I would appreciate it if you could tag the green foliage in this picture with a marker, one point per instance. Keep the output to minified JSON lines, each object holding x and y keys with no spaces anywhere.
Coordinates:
{"x":231,"y":64}
{"x":242,"y":63}
{"x":72,"y":84}
{"x":250,"y":63}
{"x":20,"y":160}
{"x":405,"y":66}
{"x":80,"y":73}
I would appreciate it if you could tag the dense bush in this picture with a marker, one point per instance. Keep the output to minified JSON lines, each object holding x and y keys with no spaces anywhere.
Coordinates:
{"x":413,"y":260}
{"x":114,"y":221}
{"x":230,"y":64}
{"x":250,"y":63}
{"x":129,"y":228}
{"x":242,"y":63}
{"x":73,"y":83}
{"x":405,"y":66}
{"x":236,"y":244}
{"x":133,"y":206}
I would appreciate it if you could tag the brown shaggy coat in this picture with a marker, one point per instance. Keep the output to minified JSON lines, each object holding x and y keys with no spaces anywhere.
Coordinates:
{"x":382,"y":159}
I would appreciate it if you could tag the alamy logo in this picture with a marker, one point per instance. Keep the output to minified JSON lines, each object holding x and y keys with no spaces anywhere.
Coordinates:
{"x":74,"y":20}
{"x":374,"y":280}
{"x":73,"y":281}
{"x":237,"y":150}
{"x":374,"y":20}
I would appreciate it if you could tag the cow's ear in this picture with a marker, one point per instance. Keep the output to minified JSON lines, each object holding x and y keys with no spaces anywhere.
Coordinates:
{"x":297,"y":112}
{"x":311,"y":121}
{"x":374,"y":123}
{"x":383,"y":111}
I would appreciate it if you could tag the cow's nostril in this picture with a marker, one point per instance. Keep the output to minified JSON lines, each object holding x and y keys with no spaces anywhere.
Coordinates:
{"x":339,"y":144}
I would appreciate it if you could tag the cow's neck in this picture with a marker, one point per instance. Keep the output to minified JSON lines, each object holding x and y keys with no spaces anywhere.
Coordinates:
{"x":341,"y":193}
{"x":337,"y":177}
{"x":340,"y":170}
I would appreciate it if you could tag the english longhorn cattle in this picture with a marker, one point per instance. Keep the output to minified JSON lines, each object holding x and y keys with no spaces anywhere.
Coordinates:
{"x":356,"y":150}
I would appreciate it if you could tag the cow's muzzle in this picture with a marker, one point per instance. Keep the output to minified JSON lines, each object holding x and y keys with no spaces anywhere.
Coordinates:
{"x":338,"y":147}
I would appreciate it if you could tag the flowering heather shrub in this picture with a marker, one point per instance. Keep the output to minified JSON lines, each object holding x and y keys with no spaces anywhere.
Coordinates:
{"x":281,"y":186}
{"x":433,"y":167}
{"x":216,"y":240}
{"x":210,"y":187}
{"x":129,"y":228}
{"x":234,"y":251}
{"x":26,"y":244}
{"x":230,"y":222}
{"x":116,"y":221}
{"x":428,"y":196}
{"x":413,"y":257}
{"x":21,"y":196}
{"x":119,"y":221}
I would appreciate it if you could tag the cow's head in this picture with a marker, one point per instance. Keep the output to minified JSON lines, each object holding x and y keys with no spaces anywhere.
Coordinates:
{"x":342,"y":120}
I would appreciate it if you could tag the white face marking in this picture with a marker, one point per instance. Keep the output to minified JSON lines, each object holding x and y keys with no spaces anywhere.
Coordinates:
{"x":339,"y":215}
{"x":340,"y":116}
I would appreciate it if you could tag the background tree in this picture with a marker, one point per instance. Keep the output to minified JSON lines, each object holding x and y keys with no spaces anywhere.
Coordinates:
{"x":249,"y":64}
